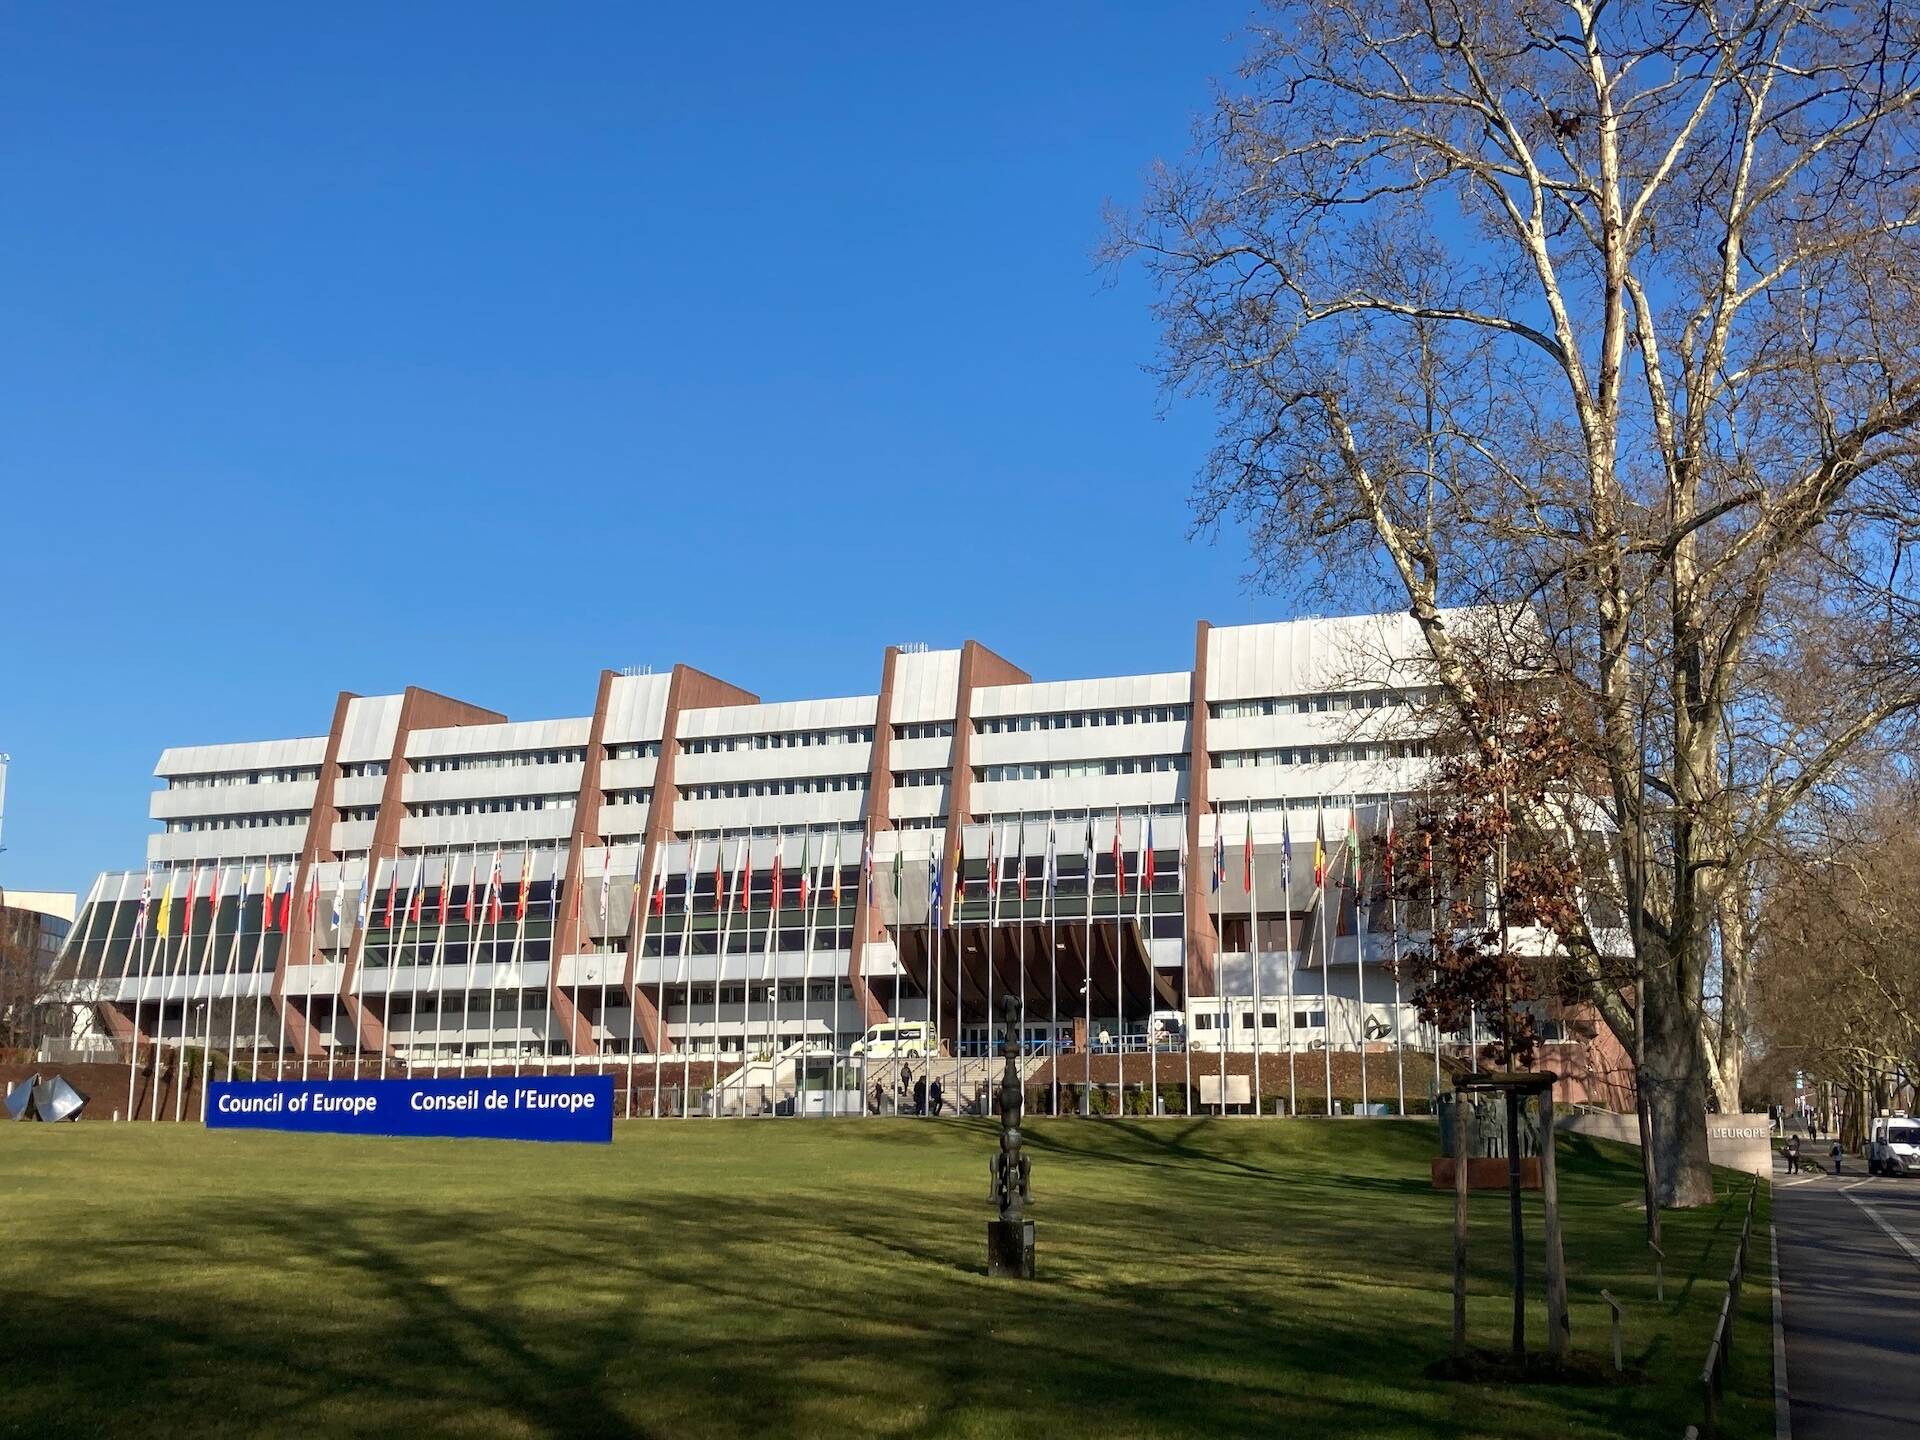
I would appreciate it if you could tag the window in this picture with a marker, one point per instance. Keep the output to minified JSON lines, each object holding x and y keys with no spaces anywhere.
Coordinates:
{"x":1078,"y":719}
{"x":1330,"y":702}
{"x":924,"y":730}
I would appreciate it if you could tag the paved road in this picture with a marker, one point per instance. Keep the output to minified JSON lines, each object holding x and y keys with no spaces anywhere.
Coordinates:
{"x":1850,"y":1291}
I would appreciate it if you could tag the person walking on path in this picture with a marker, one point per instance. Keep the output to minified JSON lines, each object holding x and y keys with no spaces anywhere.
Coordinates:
{"x":920,"y":1096}
{"x":1793,"y":1155}
{"x":934,"y":1096}
{"x":1836,"y":1153}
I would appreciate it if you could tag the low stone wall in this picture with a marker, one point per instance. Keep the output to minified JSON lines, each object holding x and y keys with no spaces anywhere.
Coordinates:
{"x":1738,"y":1142}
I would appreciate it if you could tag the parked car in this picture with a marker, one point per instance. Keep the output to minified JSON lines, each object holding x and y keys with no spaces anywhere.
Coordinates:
{"x":898,"y":1039}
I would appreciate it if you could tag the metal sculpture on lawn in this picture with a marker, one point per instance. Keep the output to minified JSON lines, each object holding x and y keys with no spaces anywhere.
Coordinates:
{"x":1010,"y":1237}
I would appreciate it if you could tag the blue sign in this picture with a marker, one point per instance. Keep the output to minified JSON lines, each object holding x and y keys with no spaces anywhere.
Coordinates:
{"x":509,"y":1107}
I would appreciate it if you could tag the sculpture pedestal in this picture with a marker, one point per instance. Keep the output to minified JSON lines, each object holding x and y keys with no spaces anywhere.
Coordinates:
{"x":1010,"y":1249}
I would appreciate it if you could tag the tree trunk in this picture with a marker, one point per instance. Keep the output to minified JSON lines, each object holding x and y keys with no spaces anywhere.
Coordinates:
{"x":1676,"y":1097}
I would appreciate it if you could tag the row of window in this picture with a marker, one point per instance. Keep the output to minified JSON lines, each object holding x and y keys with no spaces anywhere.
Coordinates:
{"x":639,"y":750}
{"x":364,"y":770}
{"x":498,"y":760}
{"x":1080,"y":719}
{"x":243,"y":777}
{"x":775,"y":740}
{"x":627,"y":797}
{"x":1333,"y":703}
{"x":918,"y":779}
{"x":491,"y":807}
{"x":236,"y":822}
{"x":360,"y":812}
{"x":1080,"y":769}
{"x":746,"y":789}
{"x":1322,"y":754}
{"x":924,"y":730}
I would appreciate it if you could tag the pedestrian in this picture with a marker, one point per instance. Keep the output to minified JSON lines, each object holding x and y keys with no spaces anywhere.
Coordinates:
{"x":1793,"y":1155}
{"x":934,"y":1096}
{"x":1835,"y":1152}
{"x":920,"y":1096}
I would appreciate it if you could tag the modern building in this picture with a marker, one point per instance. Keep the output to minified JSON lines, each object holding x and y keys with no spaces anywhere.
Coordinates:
{"x":688,"y":871}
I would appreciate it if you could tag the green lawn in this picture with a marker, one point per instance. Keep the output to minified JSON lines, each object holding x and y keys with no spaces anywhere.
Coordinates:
{"x":812,"y":1278}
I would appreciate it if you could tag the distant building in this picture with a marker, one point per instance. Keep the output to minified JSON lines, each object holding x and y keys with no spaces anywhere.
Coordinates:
{"x":449,"y":888}
{"x":34,"y":925}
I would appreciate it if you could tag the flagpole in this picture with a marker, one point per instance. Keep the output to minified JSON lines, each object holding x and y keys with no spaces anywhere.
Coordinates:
{"x":79,"y":991}
{"x":1222,"y":1001}
{"x":140,"y":983}
{"x":662,"y":1031}
{"x":233,"y":985}
{"x":472,"y":956}
{"x":434,"y":971}
{"x":333,"y":998}
{"x":1186,"y":959}
{"x":1288,"y":961}
{"x":408,"y":917}
{"x":106,"y":945}
{"x":1086,"y":1048}
{"x":1254,"y":952}
{"x":396,"y":942}
{"x":633,"y":995}
{"x":518,"y":960}
{"x":1050,"y":897}
{"x":1393,"y":923}
{"x":1020,"y":959}
{"x":259,"y":967}
{"x":1326,"y":965}
{"x":686,"y":971}
{"x":1119,"y":979}
{"x":1356,"y":870}
{"x":993,"y":922}
{"x":1141,"y":898}
{"x":206,"y":986}
{"x":806,"y":971}
{"x":156,"y":955}
{"x":369,"y":888}
{"x":310,"y":903}
{"x":166,"y":989}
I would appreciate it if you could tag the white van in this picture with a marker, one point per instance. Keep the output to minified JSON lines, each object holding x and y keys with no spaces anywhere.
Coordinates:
{"x":912,"y":1039}
{"x":1893,"y":1145}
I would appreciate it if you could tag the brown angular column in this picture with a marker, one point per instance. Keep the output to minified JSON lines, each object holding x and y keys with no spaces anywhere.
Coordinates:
{"x":419,"y":710}
{"x":688,"y":689}
{"x":978,"y":666}
{"x":878,"y":816}
{"x":1203,"y":942}
{"x":297,"y":939}
{"x":586,"y":826}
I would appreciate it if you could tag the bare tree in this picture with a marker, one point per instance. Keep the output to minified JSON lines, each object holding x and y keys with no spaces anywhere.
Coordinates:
{"x":1609,"y":312}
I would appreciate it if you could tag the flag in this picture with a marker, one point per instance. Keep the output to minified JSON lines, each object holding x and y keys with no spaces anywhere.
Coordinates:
{"x":186,"y":910}
{"x":1146,"y":858}
{"x":660,"y":883}
{"x":267,"y":899}
{"x":1352,"y":866}
{"x":1386,"y":857}
{"x":742,"y":877}
{"x":693,"y":862}
{"x":240,"y":909}
{"x":1319,"y":848}
{"x":313,"y":898}
{"x":934,"y":913}
{"x":837,"y":837}
{"x":606,"y":884}
{"x":446,"y":888}
{"x":1021,"y":872}
{"x":1286,"y":856}
{"x":393,"y":891}
{"x":779,"y":872}
{"x":553,"y":892}
{"x":495,"y":884}
{"x":146,"y":899}
{"x":805,"y":887}
{"x":416,"y":893}
{"x":993,"y":870}
{"x":1050,"y":868}
{"x":719,"y":876}
{"x":473,"y":884}
{"x":286,"y":901}
{"x":1119,"y":859}
{"x":1246,"y":857}
{"x":360,"y":914}
{"x":526,"y":884}
{"x":339,"y":895}
{"x":866,"y":868}
{"x":899,"y":875}
{"x":1089,"y":858}
{"x":1219,"y":854}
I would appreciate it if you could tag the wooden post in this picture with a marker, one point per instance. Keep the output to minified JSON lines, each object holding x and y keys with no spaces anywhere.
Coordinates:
{"x":1558,"y":1323}
{"x":1459,"y":1226}
{"x":1515,"y":1225}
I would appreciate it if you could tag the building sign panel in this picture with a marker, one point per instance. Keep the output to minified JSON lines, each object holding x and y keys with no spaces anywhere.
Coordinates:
{"x":550,"y":1107}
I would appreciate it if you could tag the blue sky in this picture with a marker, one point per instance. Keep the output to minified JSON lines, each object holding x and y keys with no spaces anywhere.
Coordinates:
{"x":479,"y":347}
